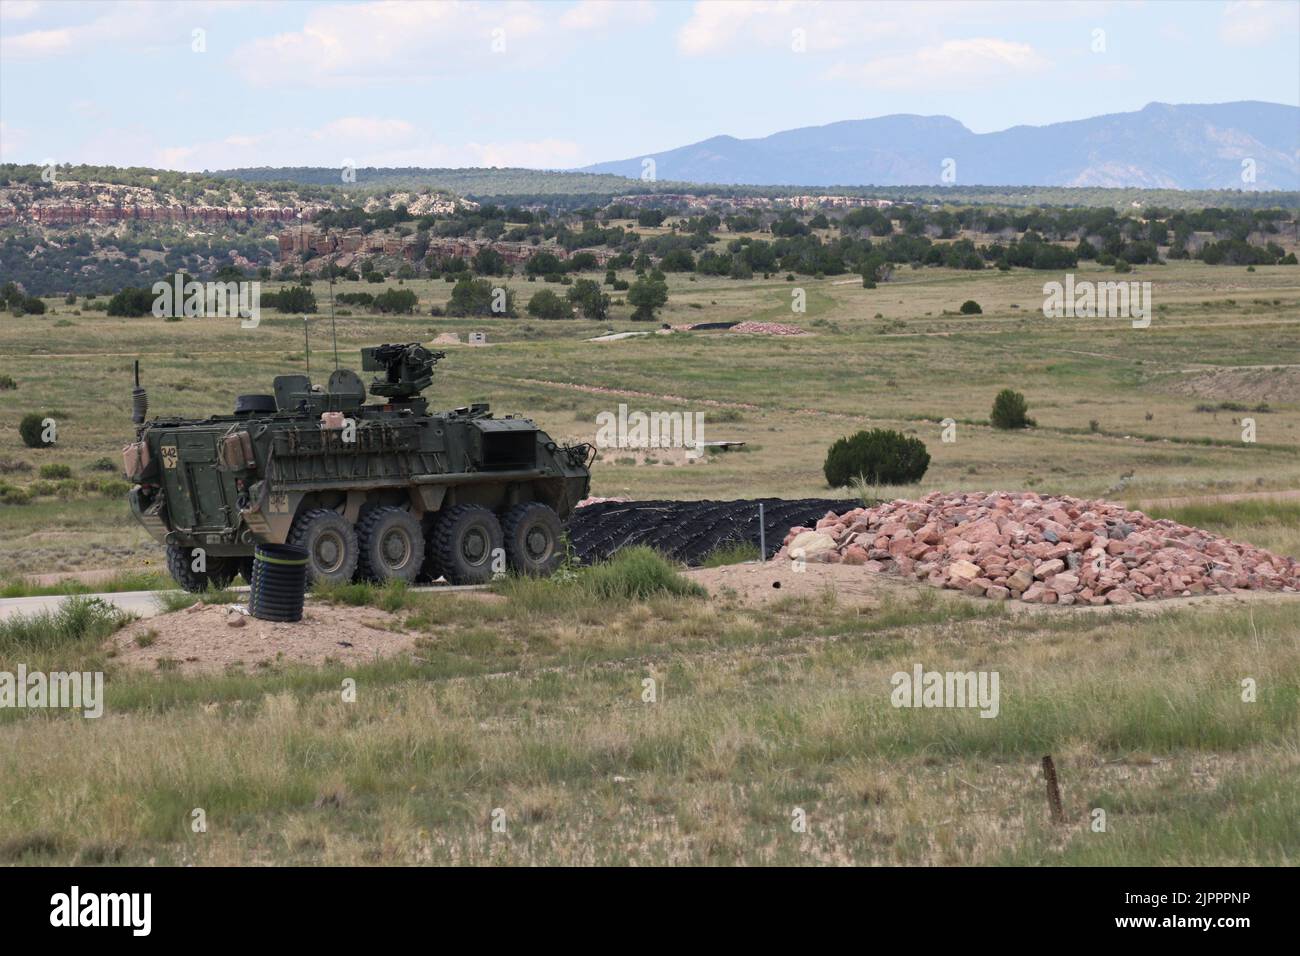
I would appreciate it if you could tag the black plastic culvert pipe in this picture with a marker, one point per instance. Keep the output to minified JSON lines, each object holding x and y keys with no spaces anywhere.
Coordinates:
{"x":279,"y":582}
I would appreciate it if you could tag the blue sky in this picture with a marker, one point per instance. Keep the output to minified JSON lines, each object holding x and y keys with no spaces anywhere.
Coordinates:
{"x":210,"y":85}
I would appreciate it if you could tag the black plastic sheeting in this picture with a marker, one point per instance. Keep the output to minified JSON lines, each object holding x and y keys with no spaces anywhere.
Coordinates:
{"x":689,"y":531}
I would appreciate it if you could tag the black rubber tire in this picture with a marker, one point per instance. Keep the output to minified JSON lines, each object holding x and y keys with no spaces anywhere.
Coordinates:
{"x":331,"y":544}
{"x":689,"y":531}
{"x":533,"y":542}
{"x":180,"y":562}
{"x":245,"y":566}
{"x":464,"y":542}
{"x":382,"y":530}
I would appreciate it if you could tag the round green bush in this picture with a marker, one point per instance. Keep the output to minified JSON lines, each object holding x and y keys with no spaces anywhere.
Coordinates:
{"x":879,"y":457}
{"x":30,"y":429}
{"x":971,"y":307}
{"x":1010,"y":410}
{"x":55,"y":472}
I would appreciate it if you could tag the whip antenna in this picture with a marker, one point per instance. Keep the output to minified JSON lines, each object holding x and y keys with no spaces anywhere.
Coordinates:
{"x":333,"y":329}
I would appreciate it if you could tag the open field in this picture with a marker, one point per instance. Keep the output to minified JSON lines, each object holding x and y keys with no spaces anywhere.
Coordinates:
{"x":531,"y":702}
{"x":1110,"y":400}
{"x":532,"y":707}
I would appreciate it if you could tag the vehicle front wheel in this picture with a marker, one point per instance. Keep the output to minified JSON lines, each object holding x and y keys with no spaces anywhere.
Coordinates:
{"x":532,"y":538}
{"x":331,"y":545}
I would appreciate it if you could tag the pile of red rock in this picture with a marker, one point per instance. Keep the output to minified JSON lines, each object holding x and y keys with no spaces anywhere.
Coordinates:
{"x":1042,"y":549}
{"x":767,"y":328}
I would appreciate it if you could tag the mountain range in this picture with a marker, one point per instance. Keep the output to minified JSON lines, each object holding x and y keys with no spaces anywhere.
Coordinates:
{"x":1187,"y":146}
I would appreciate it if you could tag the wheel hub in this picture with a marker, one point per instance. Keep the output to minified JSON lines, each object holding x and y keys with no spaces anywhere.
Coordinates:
{"x":475,"y":546}
{"x":537,"y":543}
{"x":329,"y":551}
{"x":395,"y":548}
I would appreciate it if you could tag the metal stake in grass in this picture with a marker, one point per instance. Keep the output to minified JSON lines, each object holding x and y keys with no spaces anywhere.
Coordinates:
{"x":1053,"y":790}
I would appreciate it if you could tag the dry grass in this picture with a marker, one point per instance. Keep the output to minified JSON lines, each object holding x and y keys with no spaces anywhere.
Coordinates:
{"x":537,"y":709}
{"x":533,"y":704}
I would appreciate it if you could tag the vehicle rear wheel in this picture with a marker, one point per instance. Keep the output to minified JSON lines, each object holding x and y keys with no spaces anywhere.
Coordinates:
{"x":217,"y":572}
{"x":331,"y":545}
{"x":532,"y":539}
{"x":392,"y":545}
{"x":466,"y":541}
{"x":245,"y":566}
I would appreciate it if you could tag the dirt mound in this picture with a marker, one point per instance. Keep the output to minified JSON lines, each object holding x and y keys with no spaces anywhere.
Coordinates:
{"x":199,"y":639}
{"x":1049,"y":550}
{"x":688,"y":531}
{"x":1260,"y":384}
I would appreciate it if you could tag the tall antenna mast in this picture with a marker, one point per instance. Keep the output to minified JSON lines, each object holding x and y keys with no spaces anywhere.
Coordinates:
{"x":306,"y":343}
{"x":333,"y":329}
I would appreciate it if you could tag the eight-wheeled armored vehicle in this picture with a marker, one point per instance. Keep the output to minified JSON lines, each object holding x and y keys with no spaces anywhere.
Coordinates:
{"x":379,"y":491}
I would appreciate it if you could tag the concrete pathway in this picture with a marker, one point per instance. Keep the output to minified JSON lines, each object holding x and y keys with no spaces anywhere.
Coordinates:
{"x":145,"y":603}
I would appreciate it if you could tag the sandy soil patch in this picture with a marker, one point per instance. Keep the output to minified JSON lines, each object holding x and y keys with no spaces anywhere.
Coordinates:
{"x":1255,"y":384}
{"x":855,"y":586}
{"x":199,"y":639}
{"x":761,"y":583}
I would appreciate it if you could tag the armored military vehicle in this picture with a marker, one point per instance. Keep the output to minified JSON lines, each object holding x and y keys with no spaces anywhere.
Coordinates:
{"x":379,"y":491}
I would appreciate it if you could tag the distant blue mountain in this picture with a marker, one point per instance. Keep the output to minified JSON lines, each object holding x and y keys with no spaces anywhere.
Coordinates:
{"x":1160,"y":146}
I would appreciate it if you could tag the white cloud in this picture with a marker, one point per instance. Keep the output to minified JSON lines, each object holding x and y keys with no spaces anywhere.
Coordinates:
{"x":951,"y":64}
{"x":723,"y":26}
{"x":600,"y":14}
{"x":127,"y":26}
{"x":719,"y":26}
{"x":1256,"y":23}
{"x":18,"y":9}
{"x":394,"y":40}
{"x":36,"y":43}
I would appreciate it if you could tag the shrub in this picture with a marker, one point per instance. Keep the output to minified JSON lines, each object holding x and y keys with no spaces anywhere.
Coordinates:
{"x":647,"y":294}
{"x":30,"y":428}
{"x":54,"y":472}
{"x":7,"y":383}
{"x":77,"y":618}
{"x":293,"y":298}
{"x":971,"y":307}
{"x":587,"y":296}
{"x":399,"y":301}
{"x":477,"y":297}
{"x":636,"y":574}
{"x":13,"y":495}
{"x":545,"y":304}
{"x":131,"y":303}
{"x":1010,"y":410}
{"x":879,"y":456}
